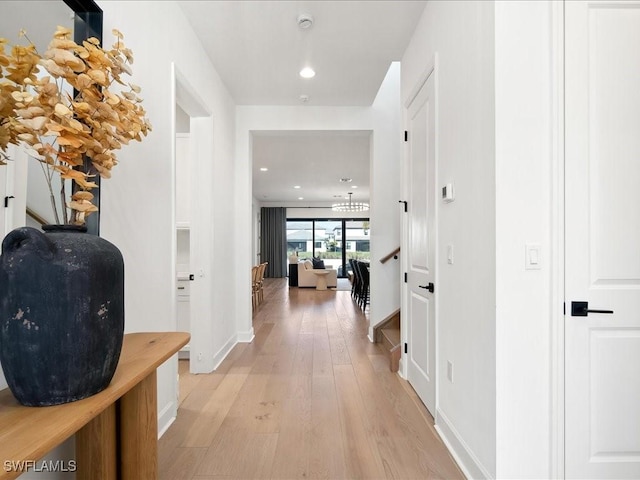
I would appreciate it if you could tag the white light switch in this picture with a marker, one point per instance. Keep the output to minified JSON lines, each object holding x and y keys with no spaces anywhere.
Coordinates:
{"x":533,"y":258}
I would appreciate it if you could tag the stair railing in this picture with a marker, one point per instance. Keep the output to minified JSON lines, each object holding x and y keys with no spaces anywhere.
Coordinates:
{"x":391,"y":255}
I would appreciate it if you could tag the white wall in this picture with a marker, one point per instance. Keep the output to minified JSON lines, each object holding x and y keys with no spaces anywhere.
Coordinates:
{"x":524,"y":214}
{"x":497,"y":142}
{"x":461,"y":33}
{"x":138,"y":201}
{"x":385,"y":194}
{"x":255,"y":230}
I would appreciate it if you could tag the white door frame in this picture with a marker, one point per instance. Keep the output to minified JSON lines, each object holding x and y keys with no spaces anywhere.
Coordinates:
{"x":183,"y":94}
{"x":557,"y":240}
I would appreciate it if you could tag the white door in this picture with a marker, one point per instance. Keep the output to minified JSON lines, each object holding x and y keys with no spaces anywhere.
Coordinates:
{"x":421,"y":321}
{"x":602,"y":172}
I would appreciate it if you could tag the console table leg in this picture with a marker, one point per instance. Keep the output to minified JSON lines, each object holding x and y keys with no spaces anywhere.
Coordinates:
{"x":96,"y":447}
{"x":139,"y":431}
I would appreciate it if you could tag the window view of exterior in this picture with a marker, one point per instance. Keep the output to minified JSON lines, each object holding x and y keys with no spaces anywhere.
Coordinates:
{"x":357,"y":245}
{"x":334,"y":241}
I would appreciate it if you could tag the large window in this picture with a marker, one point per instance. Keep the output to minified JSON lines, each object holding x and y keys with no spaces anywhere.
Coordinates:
{"x":335,"y":241}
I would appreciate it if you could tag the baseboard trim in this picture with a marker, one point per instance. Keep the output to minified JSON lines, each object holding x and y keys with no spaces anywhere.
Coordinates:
{"x":246,"y":337}
{"x":469,"y":464}
{"x":166,"y":417}
{"x":223,"y":352}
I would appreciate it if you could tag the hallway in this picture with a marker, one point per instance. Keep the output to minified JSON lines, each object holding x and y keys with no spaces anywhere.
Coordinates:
{"x":310,"y":397}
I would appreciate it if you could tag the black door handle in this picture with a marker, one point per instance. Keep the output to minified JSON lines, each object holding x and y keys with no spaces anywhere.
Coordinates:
{"x":429,"y":287}
{"x":581,"y":309}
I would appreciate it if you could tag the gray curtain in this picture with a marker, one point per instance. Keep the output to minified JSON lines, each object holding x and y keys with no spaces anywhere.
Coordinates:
{"x":273,"y":240}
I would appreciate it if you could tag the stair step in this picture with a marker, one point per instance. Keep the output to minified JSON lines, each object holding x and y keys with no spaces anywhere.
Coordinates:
{"x":394,"y":358}
{"x":391,"y":337}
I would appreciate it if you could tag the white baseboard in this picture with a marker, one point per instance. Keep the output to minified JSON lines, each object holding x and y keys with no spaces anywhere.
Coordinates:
{"x":166,"y":417}
{"x":223,"y":352}
{"x":467,"y":461}
{"x":246,"y":337}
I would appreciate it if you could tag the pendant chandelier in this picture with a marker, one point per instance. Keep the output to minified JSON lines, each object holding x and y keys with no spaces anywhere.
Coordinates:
{"x":350,"y":206}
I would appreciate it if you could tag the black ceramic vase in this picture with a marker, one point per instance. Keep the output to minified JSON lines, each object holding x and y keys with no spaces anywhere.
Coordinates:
{"x":61,"y":313}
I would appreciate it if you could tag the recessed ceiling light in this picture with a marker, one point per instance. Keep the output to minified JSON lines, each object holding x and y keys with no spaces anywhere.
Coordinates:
{"x":264,"y":169}
{"x":297,"y":186}
{"x":354,"y":186}
{"x":300,"y":198}
{"x":307,"y":72}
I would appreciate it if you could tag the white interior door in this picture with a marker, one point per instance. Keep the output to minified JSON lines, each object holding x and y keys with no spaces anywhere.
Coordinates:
{"x":602,"y":350}
{"x":421,"y":319}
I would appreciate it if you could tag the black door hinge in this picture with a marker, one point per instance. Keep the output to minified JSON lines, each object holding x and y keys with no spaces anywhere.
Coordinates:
{"x":6,"y":201}
{"x":405,"y":277}
{"x":406,"y":136}
{"x":564,"y":308}
{"x":405,"y":204}
{"x":406,"y":348}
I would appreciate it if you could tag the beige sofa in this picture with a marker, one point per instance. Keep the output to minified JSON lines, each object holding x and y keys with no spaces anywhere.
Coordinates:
{"x":306,"y":277}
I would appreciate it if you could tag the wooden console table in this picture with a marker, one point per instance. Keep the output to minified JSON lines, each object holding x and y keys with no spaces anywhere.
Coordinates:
{"x":116,"y":429}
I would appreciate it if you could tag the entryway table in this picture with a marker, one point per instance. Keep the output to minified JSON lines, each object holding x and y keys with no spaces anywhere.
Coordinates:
{"x":116,"y":430}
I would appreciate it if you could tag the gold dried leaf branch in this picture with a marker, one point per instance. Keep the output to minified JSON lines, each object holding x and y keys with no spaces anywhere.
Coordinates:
{"x":61,"y":128}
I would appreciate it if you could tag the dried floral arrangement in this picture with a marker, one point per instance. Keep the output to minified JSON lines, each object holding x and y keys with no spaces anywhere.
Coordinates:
{"x":61,"y":129}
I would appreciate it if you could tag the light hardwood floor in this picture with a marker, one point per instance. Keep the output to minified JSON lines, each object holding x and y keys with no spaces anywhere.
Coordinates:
{"x":309,"y":398}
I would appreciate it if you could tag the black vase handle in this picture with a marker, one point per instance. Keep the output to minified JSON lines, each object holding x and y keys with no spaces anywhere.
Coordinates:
{"x":30,"y":239}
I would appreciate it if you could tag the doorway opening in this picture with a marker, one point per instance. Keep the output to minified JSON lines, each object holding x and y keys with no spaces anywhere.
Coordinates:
{"x":191,"y":122}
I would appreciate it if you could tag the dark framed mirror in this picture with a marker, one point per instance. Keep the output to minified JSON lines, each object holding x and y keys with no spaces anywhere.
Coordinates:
{"x":87,"y":23}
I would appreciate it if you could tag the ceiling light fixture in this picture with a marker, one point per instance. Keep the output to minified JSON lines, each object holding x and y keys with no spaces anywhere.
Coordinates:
{"x":264,"y":169}
{"x":307,"y":72}
{"x":350,"y":206}
{"x":296,"y":186}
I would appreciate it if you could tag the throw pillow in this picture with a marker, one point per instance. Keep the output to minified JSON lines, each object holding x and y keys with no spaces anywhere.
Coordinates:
{"x":317,"y":263}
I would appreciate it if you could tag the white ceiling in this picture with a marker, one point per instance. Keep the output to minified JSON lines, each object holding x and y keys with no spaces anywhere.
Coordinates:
{"x":258,"y":50}
{"x":314,"y":161}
